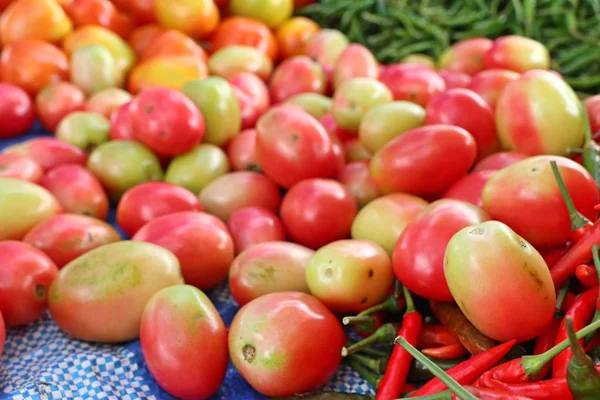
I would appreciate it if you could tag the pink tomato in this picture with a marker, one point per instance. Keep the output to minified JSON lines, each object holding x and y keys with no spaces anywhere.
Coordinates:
{"x":517,"y":53}
{"x":56,"y":101}
{"x":253,"y":96}
{"x":296,"y":75}
{"x":454,"y":79}
{"x":121,"y":127}
{"x":242,"y":151}
{"x":49,"y":152}
{"x":499,"y":160}
{"x":490,"y":83}
{"x":20,"y":167}
{"x":469,"y":188}
{"x":412,"y":82}
{"x":357,"y":178}
{"x":251,"y":225}
{"x":466,"y":56}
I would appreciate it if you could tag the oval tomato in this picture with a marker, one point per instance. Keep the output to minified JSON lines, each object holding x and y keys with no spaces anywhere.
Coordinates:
{"x":102,"y":13}
{"x":412,"y":82}
{"x":195,"y":169}
{"x":517,"y":53}
{"x":20,"y":167}
{"x":37,"y":19}
{"x":172,"y":43}
{"x":49,"y":153}
{"x":454,"y":79}
{"x":252,"y":225}
{"x":196,"y":18}
{"x":242,"y":152}
{"x":142,"y":36}
{"x":271,"y":12}
{"x":294,"y":35}
{"x":107,"y":101}
{"x":236,"y":59}
{"x":121,"y":127}
{"x":166,"y":72}
{"x":356,"y":61}
{"x":466,"y":56}
{"x":252,"y":95}
{"x":56,"y":101}
{"x":83,"y":129}
{"x":16,"y":111}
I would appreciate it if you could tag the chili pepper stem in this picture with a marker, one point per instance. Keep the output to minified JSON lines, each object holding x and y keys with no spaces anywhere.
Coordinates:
{"x":410,"y":304}
{"x":386,"y":332}
{"x":578,"y":221}
{"x":359,"y":319}
{"x":435,"y":370}
{"x":561,"y":297}
{"x":376,"y":365}
{"x":371,"y":377}
{"x":596,"y":259}
{"x":575,"y":346}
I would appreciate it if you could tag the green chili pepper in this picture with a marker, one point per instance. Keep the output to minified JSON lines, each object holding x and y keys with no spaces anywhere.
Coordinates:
{"x":582,"y":377}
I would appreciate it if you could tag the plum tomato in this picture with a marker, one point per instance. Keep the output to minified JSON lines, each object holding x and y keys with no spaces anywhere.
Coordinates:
{"x":192,"y":363}
{"x":25,"y":278}
{"x":200,"y":242}
{"x":356,"y":177}
{"x":493,"y":281}
{"x":269,"y":267}
{"x":417,"y":58}
{"x":274,"y":336}
{"x":252,"y":95}
{"x":100,"y":296}
{"x":469,"y":188}
{"x":318,"y":211}
{"x":143,"y":203}
{"x":516,"y":53}
{"x":77,"y":190}
{"x":293,"y":36}
{"x":93,"y":68}
{"x":56,"y":101}
{"x":592,"y":105}
{"x":49,"y":153}
{"x":197,"y":168}
{"x":120,"y":124}
{"x":232,"y":60}
{"x":295,"y":75}
{"x":166,"y":121}
{"x":16,"y":111}
{"x":418,"y":257}
{"x":271,"y":12}
{"x":315,"y":104}
{"x":20,"y":167}
{"x":526,"y":197}
{"x":356,"y":61}
{"x":412,"y":82}
{"x":195,"y":18}
{"x":466,"y":56}
{"x":84,"y":129}
{"x":424,"y":161}
{"x":249,"y":226}
{"x":498,"y":161}
{"x":454,"y":79}
{"x":246,"y":32}
{"x":106,"y":101}
{"x":350,"y":276}
{"x":242,"y":153}
{"x":40,"y":19}
{"x":232,"y":191}
{"x":141,"y":10}
{"x":490,"y":83}
{"x":65,"y":237}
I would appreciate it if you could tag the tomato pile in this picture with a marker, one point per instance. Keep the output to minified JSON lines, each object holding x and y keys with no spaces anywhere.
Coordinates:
{"x":451,"y":209}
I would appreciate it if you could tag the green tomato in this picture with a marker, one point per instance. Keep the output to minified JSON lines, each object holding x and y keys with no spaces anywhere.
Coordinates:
{"x":219,"y":106}
{"x":197,"y":168}
{"x":232,"y":60}
{"x":271,"y":12}
{"x":93,"y":68}
{"x":355,"y":97}
{"x":85,"y":130}
{"x":315,"y":104}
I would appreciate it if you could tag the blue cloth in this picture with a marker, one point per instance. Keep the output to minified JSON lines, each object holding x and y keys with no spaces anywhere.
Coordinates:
{"x":40,"y":362}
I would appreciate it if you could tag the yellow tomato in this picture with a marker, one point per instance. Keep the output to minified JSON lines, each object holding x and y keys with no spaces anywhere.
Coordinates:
{"x":170,"y":72}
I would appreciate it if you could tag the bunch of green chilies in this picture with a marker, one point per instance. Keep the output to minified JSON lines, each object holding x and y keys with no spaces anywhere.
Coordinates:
{"x":393,"y":29}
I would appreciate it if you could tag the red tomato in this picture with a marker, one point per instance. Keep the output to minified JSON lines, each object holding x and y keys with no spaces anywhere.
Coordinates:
{"x":466,"y":109}
{"x":121,"y":127}
{"x":143,"y":203}
{"x":298,"y":74}
{"x":242,"y":151}
{"x":77,"y":190}
{"x":25,"y":277}
{"x":142,"y":36}
{"x":200,"y":242}
{"x":470,"y":187}
{"x":412,"y":82}
{"x":245,"y":32}
{"x":20,"y":167}
{"x":253,"y":96}
{"x":592,"y":105}
{"x":65,"y":237}
{"x":490,"y":83}
{"x":499,"y":160}
{"x":2,"y":334}
{"x":454,"y":79}
{"x":107,"y":101}
{"x":466,"y":56}
{"x":357,"y":179}
{"x":517,"y":53}
{"x":16,"y":111}
{"x":424,"y":161}
{"x":318,"y":211}
{"x":166,"y":121}
{"x":292,"y":146}
{"x":49,"y":152}
{"x":56,"y":101}
{"x":172,"y":43}
{"x":141,"y":10}
{"x":251,"y":225}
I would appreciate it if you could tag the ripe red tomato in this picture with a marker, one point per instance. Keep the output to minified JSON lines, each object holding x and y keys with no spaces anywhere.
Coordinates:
{"x":318,"y":211}
{"x":49,"y":152}
{"x":166,"y":121}
{"x":241,"y":151}
{"x":200,"y":241}
{"x":251,"y":225}
{"x":245,"y":32}
{"x":16,"y":111}
{"x":412,"y":82}
{"x":328,"y":122}
{"x":252,"y":95}
{"x":592,"y":105}
{"x":470,"y":187}
{"x":490,"y":83}
{"x":466,"y":56}
{"x":25,"y":277}
{"x":143,"y":203}
{"x":299,"y":74}
{"x":56,"y":101}
{"x":20,"y":167}
{"x":454,"y":79}
{"x":499,"y":160}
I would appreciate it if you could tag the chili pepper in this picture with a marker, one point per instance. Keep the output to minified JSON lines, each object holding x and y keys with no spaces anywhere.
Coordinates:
{"x":447,"y":352}
{"x":592,"y":344}
{"x":550,"y":389}
{"x":582,"y":377}
{"x":397,"y":369}
{"x":407,"y":388}
{"x":491,"y":394}
{"x":586,"y":275}
{"x":452,"y":317}
{"x":384,"y":334}
{"x":553,"y":254}
{"x":433,"y":335}
{"x":420,"y":373}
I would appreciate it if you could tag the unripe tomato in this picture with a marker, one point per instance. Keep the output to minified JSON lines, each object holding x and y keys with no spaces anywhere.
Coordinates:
{"x":93,"y":68}
{"x":356,"y":176}
{"x":469,"y":188}
{"x":315,"y":104}
{"x":356,"y":61}
{"x":296,"y":75}
{"x":412,"y":82}
{"x":246,"y":32}
{"x":85,"y":130}
{"x":232,"y":60}
{"x":196,"y":18}
{"x":20,"y":167}
{"x":49,"y":152}
{"x":34,"y":19}
{"x":294,"y":35}
{"x":242,"y":153}
{"x":271,"y":12}
{"x":517,"y":53}
{"x":56,"y":101}
{"x":453,"y":79}
{"x":249,"y":226}
{"x":499,"y":160}
{"x":16,"y":111}
{"x":502,"y":284}
{"x":466,"y":56}
{"x":325,"y":47}
{"x":197,"y":168}
{"x":490,"y":83}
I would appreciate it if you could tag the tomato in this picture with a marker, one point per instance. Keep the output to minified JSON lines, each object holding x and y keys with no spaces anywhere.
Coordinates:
{"x":34,"y":19}
{"x":102,"y":13}
{"x":354,"y":150}
{"x":25,"y":277}
{"x":172,"y":43}
{"x":384,"y":122}
{"x":166,"y":121}
{"x":328,"y":122}
{"x":100,"y":296}
{"x":252,"y":225}
{"x":355,"y":98}
{"x":274,"y":336}
{"x":454,"y":79}
{"x":271,"y":12}
{"x":539,"y":214}
{"x":356,"y":177}
{"x":498,"y":161}
{"x":197,"y":168}
{"x":509,"y":272}
{"x":106,"y":101}
{"x":77,"y":190}
{"x":203,"y":266}
{"x":296,"y":75}
{"x":242,"y":151}
{"x":293,"y":36}
{"x":230,"y":192}
{"x":168,"y":72}
{"x":196,"y":18}
{"x":292,"y":146}
{"x":142,"y":36}
{"x":49,"y":152}
{"x":252,"y":95}
{"x":490,"y":83}
{"x":16,"y":111}
{"x":56,"y":101}
{"x":193,"y":363}
{"x":141,"y":10}
{"x":419,"y":58}
{"x":356,"y":61}
{"x":326,"y":46}
{"x":534,"y":112}
{"x":65,"y":237}
{"x":232,"y":60}
{"x":469,"y":188}
{"x":93,"y":69}
{"x":85,"y":130}
{"x":120,"y":124}
{"x":517,"y":53}
{"x":412,"y":82}
{"x":269,"y":267}
{"x":32,"y":64}
{"x":466,"y":56}
{"x":122,"y":164}
{"x":148,"y":201}
{"x":592,"y":105}
{"x":20,"y":167}
{"x":246,"y":32}
{"x":315,"y":104}
{"x":318,"y":211}
{"x":425,"y":160}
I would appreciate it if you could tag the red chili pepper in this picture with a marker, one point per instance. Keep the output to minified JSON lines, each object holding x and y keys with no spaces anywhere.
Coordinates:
{"x":393,"y":380}
{"x":550,"y":389}
{"x":407,"y":388}
{"x":592,"y":344}
{"x":586,"y":275}
{"x":568,"y":302}
{"x":491,"y":394}
{"x":448,"y":352}
{"x":468,"y":371}
{"x":433,"y":335}
{"x":553,"y":254}
{"x":544,"y":342}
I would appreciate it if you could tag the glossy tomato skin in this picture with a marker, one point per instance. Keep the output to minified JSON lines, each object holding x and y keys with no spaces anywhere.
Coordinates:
{"x":469,"y":188}
{"x":466,"y":56}
{"x":16,"y":111}
{"x":249,"y":226}
{"x":232,"y":60}
{"x":241,"y":151}
{"x":121,"y":127}
{"x":490,"y":83}
{"x":102,"y":13}
{"x":49,"y":152}
{"x":197,"y":18}
{"x":517,"y":53}
{"x":195,"y":169}
{"x":418,"y":257}
{"x":25,"y":278}
{"x":296,"y":75}
{"x":318,"y":211}
{"x":269,"y":355}
{"x":56,"y":101}
{"x":166,"y":72}
{"x":592,"y":105}
{"x":65,"y":237}
{"x":499,"y":160}
{"x":193,"y":363}
{"x":271,"y":12}
{"x":357,"y":179}
{"x":202,"y":266}
{"x":454,"y":79}
{"x":143,"y":203}
{"x":412,"y":82}
{"x":247,"y":32}
{"x":255,"y":95}
{"x":20,"y":167}
{"x":424,"y":161}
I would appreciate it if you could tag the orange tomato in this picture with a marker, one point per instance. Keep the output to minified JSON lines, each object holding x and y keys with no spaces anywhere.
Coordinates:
{"x":196,"y":18}
{"x":173,"y":43}
{"x":169,"y":72}
{"x":293,"y":35}
{"x":142,"y":36}
{"x":32,"y":64}
{"x":39,"y":19}
{"x":245,"y":32}
{"x":102,"y":13}
{"x":141,"y":10}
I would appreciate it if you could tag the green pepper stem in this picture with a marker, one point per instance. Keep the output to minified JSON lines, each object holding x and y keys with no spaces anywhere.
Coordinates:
{"x":371,"y":377}
{"x":377,"y":365}
{"x":578,"y":352}
{"x":384,"y":334}
{"x":410,"y":304}
{"x":460,"y":391}
{"x":389,"y":304}
{"x":577,"y":219}
{"x":561,"y":297}
{"x":359,"y":320}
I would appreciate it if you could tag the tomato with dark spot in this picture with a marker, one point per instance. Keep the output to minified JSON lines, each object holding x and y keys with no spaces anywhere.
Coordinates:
{"x":49,"y":153}
{"x":412,"y":82}
{"x":470,"y":187}
{"x":56,"y":101}
{"x":20,"y":167}
{"x":251,"y":225}
{"x":16,"y":111}
{"x":499,"y":160}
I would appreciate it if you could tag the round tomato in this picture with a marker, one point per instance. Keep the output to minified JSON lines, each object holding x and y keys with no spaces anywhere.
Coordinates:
{"x":166,"y":72}
{"x":356,"y":61}
{"x":56,"y":101}
{"x":454,"y":79}
{"x":412,"y":82}
{"x":102,"y":13}
{"x":141,"y":10}
{"x":293,"y":36}
{"x":85,"y":130}
{"x":271,"y":12}
{"x":16,"y":111}
{"x":252,"y":225}
{"x":20,"y":167}
{"x":296,"y":75}
{"x":592,"y":105}
{"x":235,"y":59}
{"x":195,"y":169}
{"x":49,"y":153}
{"x":499,"y":160}
{"x":172,"y":43}
{"x":242,"y":152}
{"x":142,"y":36}
{"x":517,"y":53}
{"x":326,"y":46}
{"x":196,"y":18}
{"x":246,"y":32}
